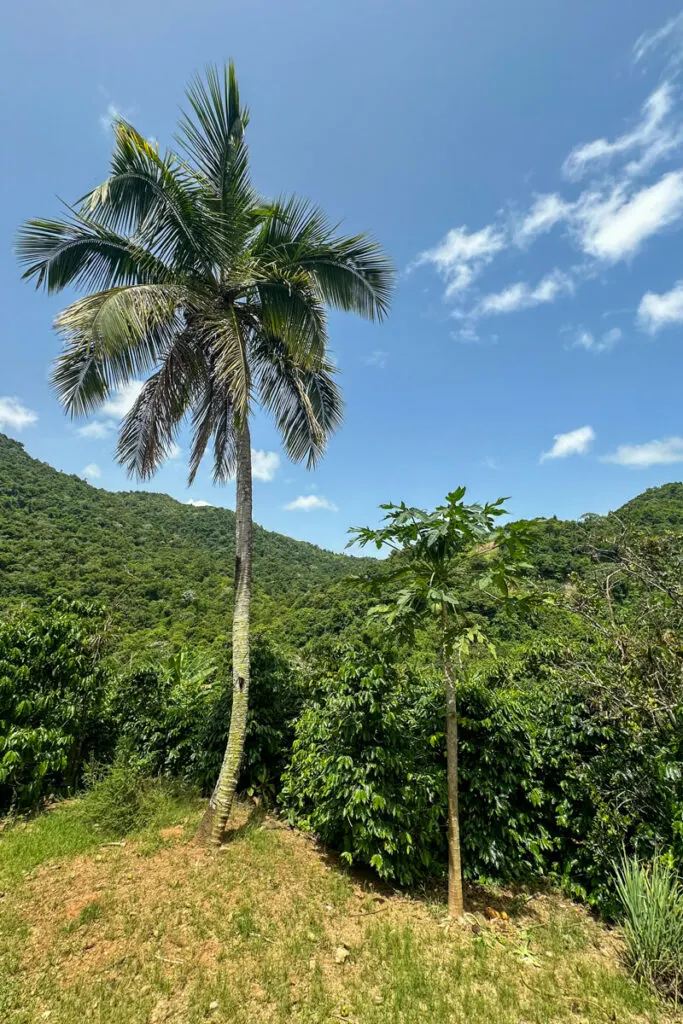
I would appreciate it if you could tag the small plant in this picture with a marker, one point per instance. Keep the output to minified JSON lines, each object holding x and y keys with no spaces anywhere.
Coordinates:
{"x":121,"y":799}
{"x":652,"y":900}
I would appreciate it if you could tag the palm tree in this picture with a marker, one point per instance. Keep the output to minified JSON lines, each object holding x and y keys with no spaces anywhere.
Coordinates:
{"x":219,"y":299}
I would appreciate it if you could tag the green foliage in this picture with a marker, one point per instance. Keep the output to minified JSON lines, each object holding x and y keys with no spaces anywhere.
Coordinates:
{"x":504,"y":834}
{"x":651,"y":900}
{"x":436,"y":557}
{"x":52,"y":688}
{"x":121,"y":798}
{"x":363,"y":774}
{"x":176,"y":718}
{"x":198,"y":284}
{"x":162,"y":569}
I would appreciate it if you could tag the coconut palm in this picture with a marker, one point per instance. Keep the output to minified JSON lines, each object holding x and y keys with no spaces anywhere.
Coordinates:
{"x":218,"y":299}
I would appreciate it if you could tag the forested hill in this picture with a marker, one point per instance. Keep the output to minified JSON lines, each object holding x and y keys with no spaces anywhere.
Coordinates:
{"x":157,"y":564}
{"x":164,"y":569}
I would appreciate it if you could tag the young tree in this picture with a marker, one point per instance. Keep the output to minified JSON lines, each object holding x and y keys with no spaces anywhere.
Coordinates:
{"x":219,"y":299}
{"x":436,"y":557}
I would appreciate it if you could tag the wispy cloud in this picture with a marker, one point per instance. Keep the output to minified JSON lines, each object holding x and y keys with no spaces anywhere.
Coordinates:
{"x":655,"y":136}
{"x":377,"y":358}
{"x":462,"y":255}
{"x":610,"y":218}
{"x":111,"y":114}
{"x":574,"y":442}
{"x":120,"y":403}
{"x":651,"y":453}
{"x":97,"y":429}
{"x":544,"y":214}
{"x":14,"y":415}
{"x":91,"y":472}
{"x":175,"y":451}
{"x":490,"y":462}
{"x":597,"y":343}
{"x":657,"y":311}
{"x":264,"y":465}
{"x":522,"y":296}
{"x":670,"y":34}
{"x":614,"y":227}
{"x":310,"y":502}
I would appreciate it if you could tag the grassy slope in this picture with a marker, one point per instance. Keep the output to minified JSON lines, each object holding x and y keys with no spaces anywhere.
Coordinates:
{"x":156,"y":563}
{"x":268,"y":929}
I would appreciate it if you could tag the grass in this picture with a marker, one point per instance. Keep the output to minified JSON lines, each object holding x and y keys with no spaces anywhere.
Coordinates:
{"x":651,"y":896}
{"x":269,"y":930}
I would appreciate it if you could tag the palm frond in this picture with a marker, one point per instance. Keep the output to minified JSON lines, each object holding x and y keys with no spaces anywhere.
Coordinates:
{"x":352,"y":273}
{"x":223,"y":340}
{"x":111,"y":337}
{"x":290,"y":308}
{"x":148,"y":430}
{"x":81,"y":251}
{"x":212,"y":135}
{"x":213,"y":416}
{"x":305,"y":401}
{"x":160,"y":201}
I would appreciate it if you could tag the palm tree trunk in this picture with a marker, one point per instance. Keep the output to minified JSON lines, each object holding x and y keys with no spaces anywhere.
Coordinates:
{"x":221,"y":801}
{"x":455,"y":900}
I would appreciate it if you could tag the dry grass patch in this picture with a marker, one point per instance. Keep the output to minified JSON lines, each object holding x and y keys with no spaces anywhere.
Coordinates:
{"x":268,"y":929}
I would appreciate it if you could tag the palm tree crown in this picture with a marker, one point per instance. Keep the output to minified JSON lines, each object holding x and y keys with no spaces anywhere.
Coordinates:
{"x":213,"y":295}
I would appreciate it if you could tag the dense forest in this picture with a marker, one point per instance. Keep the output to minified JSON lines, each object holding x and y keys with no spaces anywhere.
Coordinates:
{"x":163,"y":569}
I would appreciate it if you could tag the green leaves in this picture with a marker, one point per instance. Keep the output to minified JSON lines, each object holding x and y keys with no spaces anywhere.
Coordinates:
{"x":437,"y":556}
{"x":182,"y":258}
{"x":51,"y":701}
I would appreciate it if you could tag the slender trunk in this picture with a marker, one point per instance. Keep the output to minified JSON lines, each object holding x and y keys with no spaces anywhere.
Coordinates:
{"x":221,"y":801}
{"x":455,"y":900}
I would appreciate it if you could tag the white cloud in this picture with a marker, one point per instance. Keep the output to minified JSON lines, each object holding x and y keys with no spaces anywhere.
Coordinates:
{"x":670,"y":32}
{"x":91,"y":472}
{"x":490,"y":462}
{"x":652,"y":453}
{"x":111,"y":114}
{"x":462,"y":255}
{"x":523,"y":296}
{"x":547,"y":211}
{"x":308,"y":502}
{"x":264,"y":464}
{"x":122,"y":401}
{"x":96,"y":429}
{"x":175,"y":451}
{"x":603,"y":343}
{"x":657,"y":311}
{"x":199,"y":503}
{"x":574,"y":442}
{"x":652,"y":139}
{"x":615,"y":227}
{"x":377,"y":358}
{"x":14,"y":415}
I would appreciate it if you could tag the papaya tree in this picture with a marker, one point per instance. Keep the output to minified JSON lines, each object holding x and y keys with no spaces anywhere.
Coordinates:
{"x":435,"y":559}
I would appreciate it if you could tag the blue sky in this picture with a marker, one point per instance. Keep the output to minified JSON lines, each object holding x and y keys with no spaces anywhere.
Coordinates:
{"x":522,"y":164}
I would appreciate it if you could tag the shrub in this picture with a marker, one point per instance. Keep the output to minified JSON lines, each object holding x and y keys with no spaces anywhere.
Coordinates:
{"x":505,"y":834}
{"x":52,"y":688}
{"x":121,"y":798}
{"x":363,"y":773}
{"x":176,"y":718}
{"x":651,"y":899}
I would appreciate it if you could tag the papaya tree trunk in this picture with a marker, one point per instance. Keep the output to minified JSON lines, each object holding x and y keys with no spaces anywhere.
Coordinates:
{"x":224,"y":793}
{"x":455,"y":899}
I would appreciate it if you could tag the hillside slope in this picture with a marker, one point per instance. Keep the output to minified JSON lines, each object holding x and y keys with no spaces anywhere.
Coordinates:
{"x":159,"y":565}
{"x":164,"y":569}
{"x":269,"y":930}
